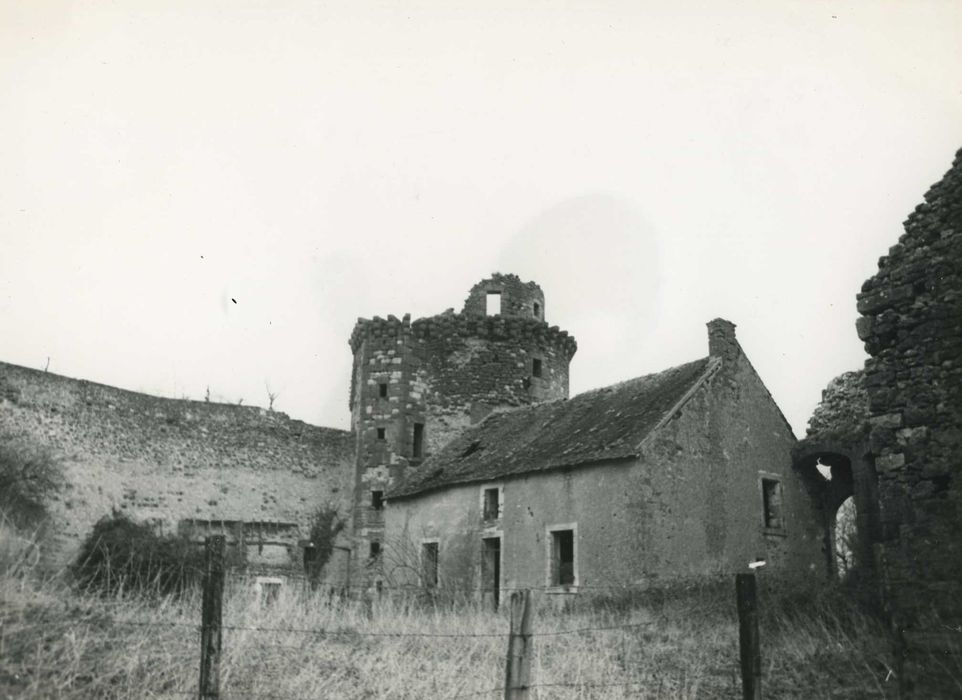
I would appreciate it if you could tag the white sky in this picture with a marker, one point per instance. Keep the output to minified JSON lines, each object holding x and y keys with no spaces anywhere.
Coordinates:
{"x":652,"y":165}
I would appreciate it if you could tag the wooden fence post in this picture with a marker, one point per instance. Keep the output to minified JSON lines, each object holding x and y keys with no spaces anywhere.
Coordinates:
{"x":518,"y":676}
{"x":210,"y":629}
{"x":748,"y":641}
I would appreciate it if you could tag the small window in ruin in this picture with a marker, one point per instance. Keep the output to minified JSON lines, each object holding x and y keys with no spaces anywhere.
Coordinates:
{"x":417,"y":450}
{"x":429,"y":564}
{"x":380,"y":433}
{"x":493,"y":304}
{"x":268,"y":588}
{"x":772,"y":503}
{"x":377,"y":500}
{"x":382,"y":390}
{"x":536,"y":367}
{"x":374,"y":551}
{"x":491,"y":509}
{"x":537,"y":310}
{"x":562,"y":557}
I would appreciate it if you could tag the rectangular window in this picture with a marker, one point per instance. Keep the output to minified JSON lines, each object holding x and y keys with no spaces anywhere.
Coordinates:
{"x":537,"y":310}
{"x":377,"y":500}
{"x":772,"y":503}
{"x":491,"y":570}
{"x":493,"y":304}
{"x":375,"y":551}
{"x":491,"y":504}
{"x":380,"y":433}
{"x":562,"y":557}
{"x":536,"y":367}
{"x":382,"y":390}
{"x":417,"y":451}
{"x":429,"y":564}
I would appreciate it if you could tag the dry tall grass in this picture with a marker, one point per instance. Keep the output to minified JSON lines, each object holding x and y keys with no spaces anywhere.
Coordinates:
{"x":57,"y":643}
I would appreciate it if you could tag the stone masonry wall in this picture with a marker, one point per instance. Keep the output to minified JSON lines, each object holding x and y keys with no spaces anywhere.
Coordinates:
{"x":912,"y":327}
{"x":444,"y":373}
{"x":519,"y":299}
{"x":175,"y":463}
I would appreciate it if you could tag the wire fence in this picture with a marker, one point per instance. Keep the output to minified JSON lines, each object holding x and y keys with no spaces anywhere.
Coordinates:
{"x":400,"y":641}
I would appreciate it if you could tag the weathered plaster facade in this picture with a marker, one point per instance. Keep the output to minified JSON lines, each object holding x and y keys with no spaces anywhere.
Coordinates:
{"x":688,"y":503}
{"x":255,"y":475}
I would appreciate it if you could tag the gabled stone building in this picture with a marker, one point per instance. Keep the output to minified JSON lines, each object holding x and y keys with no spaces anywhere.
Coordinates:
{"x":679,"y":474}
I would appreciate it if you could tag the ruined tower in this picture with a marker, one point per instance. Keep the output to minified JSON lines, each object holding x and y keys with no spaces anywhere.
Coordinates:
{"x":415,"y":385}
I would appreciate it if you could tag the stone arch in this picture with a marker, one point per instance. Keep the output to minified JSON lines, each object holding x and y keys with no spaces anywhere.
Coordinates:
{"x":850,"y":475}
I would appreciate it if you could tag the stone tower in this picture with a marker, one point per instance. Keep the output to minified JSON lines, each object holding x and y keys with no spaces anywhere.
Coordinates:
{"x":417,"y":384}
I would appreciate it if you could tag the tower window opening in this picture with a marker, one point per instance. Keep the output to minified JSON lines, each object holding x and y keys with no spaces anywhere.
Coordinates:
{"x":417,"y":450}
{"x":375,"y":551}
{"x":382,"y":390}
{"x":536,"y":367}
{"x":381,"y":433}
{"x":377,"y":500}
{"x":537,"y":310}
{"x":493,"y":306}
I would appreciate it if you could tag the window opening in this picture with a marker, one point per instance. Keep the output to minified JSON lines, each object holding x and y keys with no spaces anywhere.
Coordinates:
{"x":563,"y":557}
{"x":417,"y":451}
{"x":537,"y":310}
{"x":429,"y":564}
{"x":491,"y":569}
{"x":380,"y":433}
{"x":375,"y":551}
{"x":536,"y":367}
{"x":491,"y":504}
{"x":382,"y":390}
{"x":493,"y":304}
{"x":377,"y":500}
{"x":772,"y":503}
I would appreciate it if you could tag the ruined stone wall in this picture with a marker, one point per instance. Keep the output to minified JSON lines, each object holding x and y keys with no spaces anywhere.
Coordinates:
{"x":176,"y":463}
{"x":519,"y":299}
{"x":912,"y":327}
{"x":443,"y":373}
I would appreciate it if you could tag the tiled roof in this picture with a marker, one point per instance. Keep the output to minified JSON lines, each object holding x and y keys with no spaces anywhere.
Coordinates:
{"x":599,"y":425}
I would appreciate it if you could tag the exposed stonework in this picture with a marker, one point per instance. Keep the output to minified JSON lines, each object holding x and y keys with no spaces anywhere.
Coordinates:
{"x":843,"y":410}
{"x":912,"y":327}
{"x":444,"y":373}
{"x":837,"y":441}
{"x":183,"y":465}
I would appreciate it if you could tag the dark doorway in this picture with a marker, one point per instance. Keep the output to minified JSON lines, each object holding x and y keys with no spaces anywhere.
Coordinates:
{"x":491,"y":571}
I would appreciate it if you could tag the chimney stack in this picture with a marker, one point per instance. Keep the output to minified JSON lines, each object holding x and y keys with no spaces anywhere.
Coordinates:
{"x":721,"y":340}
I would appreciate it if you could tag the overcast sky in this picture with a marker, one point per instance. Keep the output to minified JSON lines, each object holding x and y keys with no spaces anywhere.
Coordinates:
{"x":208,"y":194}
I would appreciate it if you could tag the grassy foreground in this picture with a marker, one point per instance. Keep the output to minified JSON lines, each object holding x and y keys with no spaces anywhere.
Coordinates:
{"x":57,"y":643}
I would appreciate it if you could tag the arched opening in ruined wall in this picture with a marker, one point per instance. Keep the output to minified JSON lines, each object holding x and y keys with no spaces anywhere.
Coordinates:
{"x":843,"y":487}
{"x":845,"y":538}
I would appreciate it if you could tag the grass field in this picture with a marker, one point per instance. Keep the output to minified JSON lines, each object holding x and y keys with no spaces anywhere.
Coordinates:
{"x":683,"y":643}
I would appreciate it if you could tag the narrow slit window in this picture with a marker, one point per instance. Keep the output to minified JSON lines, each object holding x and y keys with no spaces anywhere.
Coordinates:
{"x":382,"y":390}
{"x":377,"y":500}
{"x":537,"y":310}
{"x":375,"y":551}
{"x":536,"y":367}
{"x":493,"y":304}
{"x":562,"y":557}
{"x":417,"y":450}
{"x":380,"y":433}
{"x":429,"y":564}
{"x":772,"y":503}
